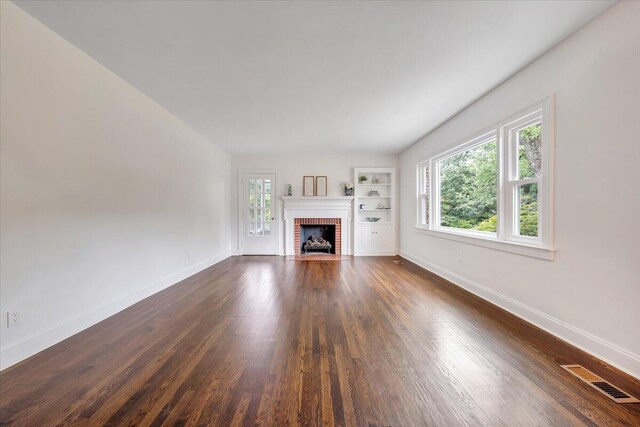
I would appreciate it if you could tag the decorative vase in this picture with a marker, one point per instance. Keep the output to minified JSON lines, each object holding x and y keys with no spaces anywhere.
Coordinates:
{"x":289,"y":190}
{"x":348,"y":191}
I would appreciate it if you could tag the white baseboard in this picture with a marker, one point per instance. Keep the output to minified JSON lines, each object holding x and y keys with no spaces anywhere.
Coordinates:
{"x":35,"y":342}
{"x":610,"y":353}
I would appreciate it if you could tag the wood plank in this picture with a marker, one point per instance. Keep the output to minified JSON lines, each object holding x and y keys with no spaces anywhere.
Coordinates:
{"x":273,"y":341}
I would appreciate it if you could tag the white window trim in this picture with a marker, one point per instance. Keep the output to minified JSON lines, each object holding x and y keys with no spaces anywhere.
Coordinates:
{"x":504,"y":238}
{"x":491,"y":243}
{"x":422,"y":194}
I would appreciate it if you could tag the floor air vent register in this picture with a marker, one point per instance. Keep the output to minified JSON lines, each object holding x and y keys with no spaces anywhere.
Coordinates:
{"x":604,"y":387}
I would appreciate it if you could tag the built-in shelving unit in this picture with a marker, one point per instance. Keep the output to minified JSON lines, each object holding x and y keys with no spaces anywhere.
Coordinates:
{"x":375,"y":197}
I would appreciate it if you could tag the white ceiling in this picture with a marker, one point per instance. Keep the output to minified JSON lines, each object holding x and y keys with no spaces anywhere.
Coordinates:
{"x":283,"y":77}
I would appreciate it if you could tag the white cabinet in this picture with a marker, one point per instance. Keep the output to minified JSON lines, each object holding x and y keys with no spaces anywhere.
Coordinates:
{"x":374,"y":200}
{"x":383,"y":238}
{"x":375,"y":240}
{"x":366,"y":237}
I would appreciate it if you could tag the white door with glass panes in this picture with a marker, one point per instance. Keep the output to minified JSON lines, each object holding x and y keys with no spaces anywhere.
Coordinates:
{"x":259,"y":236}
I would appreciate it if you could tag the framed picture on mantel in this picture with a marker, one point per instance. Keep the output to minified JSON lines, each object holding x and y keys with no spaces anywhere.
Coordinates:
{"x":308,"y":187}
{"x":321,"y":186}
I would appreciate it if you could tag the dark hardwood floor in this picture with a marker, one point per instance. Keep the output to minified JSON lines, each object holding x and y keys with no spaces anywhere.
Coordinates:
{"x":273,"y":341}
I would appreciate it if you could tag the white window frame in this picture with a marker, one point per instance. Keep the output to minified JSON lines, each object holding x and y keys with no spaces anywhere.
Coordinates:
{"x":506,"y":237}
{"x":424,"y":189}
{"x":434,"y":205}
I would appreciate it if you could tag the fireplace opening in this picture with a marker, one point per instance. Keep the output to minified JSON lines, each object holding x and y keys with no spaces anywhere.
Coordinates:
{"x":316,"y":238}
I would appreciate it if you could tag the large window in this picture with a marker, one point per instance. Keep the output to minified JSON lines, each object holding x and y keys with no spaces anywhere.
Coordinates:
{"x":468,"y":191}
{"x":495,"y":186}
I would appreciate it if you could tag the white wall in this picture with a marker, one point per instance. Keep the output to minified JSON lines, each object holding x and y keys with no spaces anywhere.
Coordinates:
{"x":106,"y":197}
{"x":291,"y":169}
{"x":590,"y":294}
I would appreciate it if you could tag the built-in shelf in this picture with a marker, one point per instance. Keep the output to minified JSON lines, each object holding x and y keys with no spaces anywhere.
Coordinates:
{"x":375,"y":238}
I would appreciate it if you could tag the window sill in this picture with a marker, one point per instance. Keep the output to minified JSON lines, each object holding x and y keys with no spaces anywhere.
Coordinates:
{"x":486,"y":242}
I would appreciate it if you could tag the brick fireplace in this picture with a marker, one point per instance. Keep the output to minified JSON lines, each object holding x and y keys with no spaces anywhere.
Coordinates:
{"x":297,"y":229}
{"x":333,"y":211}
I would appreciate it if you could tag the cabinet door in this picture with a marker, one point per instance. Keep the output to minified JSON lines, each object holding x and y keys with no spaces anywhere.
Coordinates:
{"x":366,"y":237}
{"x":382,"y":237}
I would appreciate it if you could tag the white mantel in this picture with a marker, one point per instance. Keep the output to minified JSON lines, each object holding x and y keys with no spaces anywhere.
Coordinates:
{"x":317,"y":207}
{"x":330,"y":202}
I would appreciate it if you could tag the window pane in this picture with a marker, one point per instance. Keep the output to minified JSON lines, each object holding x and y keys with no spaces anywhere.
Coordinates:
{"x":267,"y":214}
{"x":258,"y":229}
{"x":425,"y":189}
{"x":425,"y":176}
{"x":252,"y":186}
{"x":259,"y":200}
{"x":252,"y":229}
{"x":528,"y":210}
{"x":266,"y":229}
{"x":267,"y":186}
{"x":468,"y":189}
{"x":252,"y":200}
{"x":258,"y":185}
{"x":267,"y":200}
{"x":425,"y":209}
{"x":252,"y":215}
{"x":530,"y":151}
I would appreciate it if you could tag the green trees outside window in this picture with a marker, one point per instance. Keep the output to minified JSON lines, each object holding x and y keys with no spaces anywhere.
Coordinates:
{"x":469,"y":185}
{"x":468,"y":189}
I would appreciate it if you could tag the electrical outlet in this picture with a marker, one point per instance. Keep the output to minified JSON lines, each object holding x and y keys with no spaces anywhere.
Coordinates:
{"x":13,"y":318}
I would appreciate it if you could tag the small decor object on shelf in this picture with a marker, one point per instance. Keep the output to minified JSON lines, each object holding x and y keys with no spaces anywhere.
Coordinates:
{"x":348,"y":189}
{"x":373,"y":219}
{"x":374,"y":193}
{"x":362,"y":178}
{"x":321,"y":186}
{"x":376,"y":180}
{"x":289,"y":190}
{"x":308,"y":187}
{"x":381,"y":206}
{"x":361,"y":205}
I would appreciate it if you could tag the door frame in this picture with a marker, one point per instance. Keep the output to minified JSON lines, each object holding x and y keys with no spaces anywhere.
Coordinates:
{"x":275,"y":202}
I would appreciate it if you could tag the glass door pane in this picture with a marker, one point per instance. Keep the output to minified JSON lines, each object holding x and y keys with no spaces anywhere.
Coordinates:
{"x":259,"y":207}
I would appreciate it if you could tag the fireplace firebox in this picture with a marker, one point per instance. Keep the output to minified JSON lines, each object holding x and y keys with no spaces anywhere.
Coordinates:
{"x":318,"y":229}
{"x":317,"y":238}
